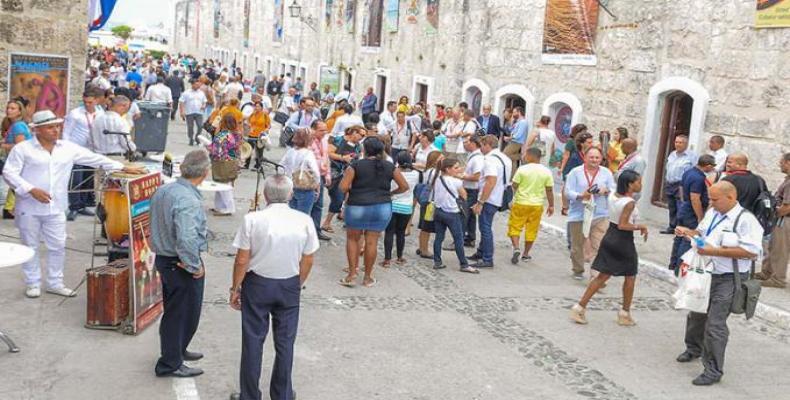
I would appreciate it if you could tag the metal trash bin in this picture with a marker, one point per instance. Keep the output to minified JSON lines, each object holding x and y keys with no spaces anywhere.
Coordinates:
{"x":150,"y":130}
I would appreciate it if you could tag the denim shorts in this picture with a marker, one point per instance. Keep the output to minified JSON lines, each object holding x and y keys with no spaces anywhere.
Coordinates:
{"x":374,"y":217}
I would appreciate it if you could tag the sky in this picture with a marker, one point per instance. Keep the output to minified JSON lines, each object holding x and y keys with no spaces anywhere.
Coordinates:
{"x":142,"y":13}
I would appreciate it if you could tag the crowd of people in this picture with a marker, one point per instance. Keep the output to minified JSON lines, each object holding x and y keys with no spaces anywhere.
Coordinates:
{"x":383,"y":170}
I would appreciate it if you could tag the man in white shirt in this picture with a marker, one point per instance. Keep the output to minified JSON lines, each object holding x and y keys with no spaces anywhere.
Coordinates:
{"x":234,"y":89}
{"x":39,"y":171}
{"x":716,"y":146}
{"x":346,"y":120}
{"x":494,"y":178}
{"x":159,"y":93}
{"x":274,"y":258}
{"x":76,"y":129}
{"x":726,"y":244}
{"x":110,"y":132}
{"x":474,"y":168}
{"x":103,"y":79}
{"x":193,"y":104}
{"x":346,"y":95}
{"x":288,"y":103}
{"x":387,"y":118}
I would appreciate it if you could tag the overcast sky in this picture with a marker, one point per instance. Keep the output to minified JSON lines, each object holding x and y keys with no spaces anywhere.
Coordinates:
{"x":142,"y":13}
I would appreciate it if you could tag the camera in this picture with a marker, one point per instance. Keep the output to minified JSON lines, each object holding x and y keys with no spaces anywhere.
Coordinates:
{"x":594,"y":189}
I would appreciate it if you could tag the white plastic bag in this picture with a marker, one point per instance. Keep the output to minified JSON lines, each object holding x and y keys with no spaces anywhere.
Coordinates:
{"x":693,"y":292}
{"x":589,"y":213}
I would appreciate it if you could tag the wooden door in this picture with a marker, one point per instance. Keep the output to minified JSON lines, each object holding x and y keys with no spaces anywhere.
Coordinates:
{"x":675,"y":121}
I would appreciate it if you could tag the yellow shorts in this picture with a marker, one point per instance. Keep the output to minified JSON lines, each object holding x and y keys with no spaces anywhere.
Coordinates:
{"x":526,"y":218}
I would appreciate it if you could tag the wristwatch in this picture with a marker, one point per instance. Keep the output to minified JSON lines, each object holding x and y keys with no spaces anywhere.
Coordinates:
{"x":235,"y":290}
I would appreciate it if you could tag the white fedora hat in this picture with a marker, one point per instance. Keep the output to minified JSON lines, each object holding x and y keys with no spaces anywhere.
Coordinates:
{"x":44,"y":117}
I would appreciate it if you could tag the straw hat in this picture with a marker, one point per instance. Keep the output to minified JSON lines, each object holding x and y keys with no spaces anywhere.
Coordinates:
{"x":44,"y":117}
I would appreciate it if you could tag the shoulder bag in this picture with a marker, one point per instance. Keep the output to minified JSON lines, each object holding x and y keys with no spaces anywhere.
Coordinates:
{"x":463,"y":208}
{"x":507,"y":195}
{"x":747,"y":293}
{"x":304,"y":178}
{"x":279,"y":116}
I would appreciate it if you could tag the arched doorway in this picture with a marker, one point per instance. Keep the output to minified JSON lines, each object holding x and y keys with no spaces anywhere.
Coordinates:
{"x":514,"y":96}
{"x":513,"y":100}
{"x":675,"y":121}
{"x":474,"y":97}
{"x":565,"y":111}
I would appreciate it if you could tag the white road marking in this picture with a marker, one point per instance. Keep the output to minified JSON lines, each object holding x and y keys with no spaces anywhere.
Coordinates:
{"x":185,"y":389}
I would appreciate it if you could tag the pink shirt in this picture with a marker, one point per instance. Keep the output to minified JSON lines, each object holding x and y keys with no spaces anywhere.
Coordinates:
{"x":321,"y":151}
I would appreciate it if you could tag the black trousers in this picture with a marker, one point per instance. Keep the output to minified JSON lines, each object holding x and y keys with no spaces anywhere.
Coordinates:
{"x":174,"y":108}
{"x":262,"y":298}
{"x":396,"y":230}
{"x":82,"y":181}
{"x":680,"y":245}
{"x":673,"y":202}
{"x":183,"y":299}
{"x":470,"y":225}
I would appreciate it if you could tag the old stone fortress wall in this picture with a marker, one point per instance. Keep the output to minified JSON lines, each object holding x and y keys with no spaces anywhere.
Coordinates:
{"x":663,"y":67}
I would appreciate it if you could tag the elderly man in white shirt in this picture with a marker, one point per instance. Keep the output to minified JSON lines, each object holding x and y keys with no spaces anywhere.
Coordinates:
{"x":159,"y":93}
{"x":77,"y":129}
{"x":110,"y":132}
{"x":39,"y":171}
{"x":274,"y":258}
{"x":732,"y":236}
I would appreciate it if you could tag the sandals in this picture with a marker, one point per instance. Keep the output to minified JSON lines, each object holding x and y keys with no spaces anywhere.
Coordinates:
{"x":348,"y":283}
{"x":327,"y":229}
{"x":369,"y":283}
{"x":469,"y":269}
{"x":385,"y":263}
{"x":400,"y":261}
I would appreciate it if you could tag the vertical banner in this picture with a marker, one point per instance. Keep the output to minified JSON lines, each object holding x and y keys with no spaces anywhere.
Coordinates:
{"x":247,"y":23}
{"x":772,"y":14}
{"x":371,"y":28}
{"x":350,"y":17}
{"x":432,"y":16}
{"x":216,"y":18}
{"x":341,"y":10}
{"x":279,"y":11}
{"x":569,"y":32}
{"x":146,"y":284}
{"x":328,"y":14}
{"x":413,"y":11}
{"x":186,"y":19}
{"x":392,"y":15}
{"x":41,"y":79}
{"x":329,"y":76}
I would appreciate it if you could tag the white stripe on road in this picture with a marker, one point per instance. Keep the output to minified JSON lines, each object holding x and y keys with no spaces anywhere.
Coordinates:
{"x":185,"y":389}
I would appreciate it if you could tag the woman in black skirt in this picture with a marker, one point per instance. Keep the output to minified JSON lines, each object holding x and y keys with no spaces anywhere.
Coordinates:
{"x":617,"y":254}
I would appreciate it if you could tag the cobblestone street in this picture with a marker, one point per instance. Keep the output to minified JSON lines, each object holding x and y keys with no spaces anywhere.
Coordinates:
{"x":419,"y":334}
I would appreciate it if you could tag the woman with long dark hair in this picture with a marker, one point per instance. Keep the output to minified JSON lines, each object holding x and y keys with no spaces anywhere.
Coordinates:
{"x":369,"y":206}
{"x":447,"y":190}
{"x":617,"y":254}
{"x":402,"y":209}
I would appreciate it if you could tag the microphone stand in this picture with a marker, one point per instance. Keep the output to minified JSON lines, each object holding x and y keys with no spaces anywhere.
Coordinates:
{"x":260,"y":172}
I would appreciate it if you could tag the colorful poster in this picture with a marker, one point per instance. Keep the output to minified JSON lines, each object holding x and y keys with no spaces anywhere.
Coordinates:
{"x":371,"y":27}
{"x":330,"y":76}
{"x":350,"y":17}
{"x":413,"y":11}
{"x":569,"y":32}
{"x":432,"y":15}
{"x":41,"y":79}
{"x":186,"y":19}
{"x":392,"y":15}
{"x":247,"y":23}
{"x":147,"y":284}
{"x":328,"y":14}
{"x":279,"y":12}
{"x":341,"y":9}
{"x":217,"y":15}
{"x":772,"y":14}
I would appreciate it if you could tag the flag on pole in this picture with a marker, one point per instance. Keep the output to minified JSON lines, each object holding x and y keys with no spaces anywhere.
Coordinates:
{"x":99,"y":12}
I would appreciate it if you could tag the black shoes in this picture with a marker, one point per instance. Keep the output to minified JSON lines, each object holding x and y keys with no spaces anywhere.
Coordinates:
{"x":704,"y":380}
{"x":192,"y":356}
{"x":182,"y":372}
{"x":323,"y":236}
{"x":71,"y":215}
{"x":237,"y":396}
{"x":667,"y":231}
{"x":685,"y":357}
{"x":475,"y":257}
{"x":86,"y":212}
{"x":482,"y":264}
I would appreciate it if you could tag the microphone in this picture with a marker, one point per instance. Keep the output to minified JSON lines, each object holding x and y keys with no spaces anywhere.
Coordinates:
{"x":106,"y":132}
{"x":268,"y":161}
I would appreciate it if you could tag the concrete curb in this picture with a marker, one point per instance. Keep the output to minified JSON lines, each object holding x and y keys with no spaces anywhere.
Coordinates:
{"x":764,"y":311}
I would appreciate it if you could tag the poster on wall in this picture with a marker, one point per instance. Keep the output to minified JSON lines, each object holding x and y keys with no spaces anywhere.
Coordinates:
{"x":186,"y":19}
{"x":145,"y":279}
{"x":432,"y":16}
{"x":351,"y":12}
{"x":329,"y":76}
{"x":328,"y":14}
{"x":772,"y":14}
{"x":391,"y":15}
{"x":341,"y":10}
{"x":247,"y":23}
{"x":279,"y":12}
{"x":569,"y":32}
{"x":371,"y":26}
{"x":216,"y":18}
{"x":42,"y":79}
{"x":412,"y":11}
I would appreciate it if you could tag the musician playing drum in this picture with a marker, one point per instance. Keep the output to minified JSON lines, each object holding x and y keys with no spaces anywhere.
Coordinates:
{"x":38,"y":170}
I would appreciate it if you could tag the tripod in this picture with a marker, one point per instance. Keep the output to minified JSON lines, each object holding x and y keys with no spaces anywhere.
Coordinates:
{"x":261,"y":173}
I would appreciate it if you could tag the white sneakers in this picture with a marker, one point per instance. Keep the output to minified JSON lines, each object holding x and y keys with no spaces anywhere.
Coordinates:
{"x":35,"y":291}
{"x":623,"y":317}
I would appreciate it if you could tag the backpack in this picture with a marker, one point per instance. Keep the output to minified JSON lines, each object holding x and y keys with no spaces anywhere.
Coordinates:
{"x":764,"y":209}
{"x":422,"y":190}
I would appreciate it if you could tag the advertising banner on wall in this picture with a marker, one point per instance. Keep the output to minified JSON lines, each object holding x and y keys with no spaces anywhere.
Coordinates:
{"x":247,"y":23}
{"x":432,"y":16}
{"x":392,"y":15}
{"x":145,"y":280}
{"x":279,"y":13}
{"x":772,"y":14}
{"x":41,"y":79}
{"x":371,"y":27}
{"x":330,"y":76}
{"x":217,"y":15}
{"x":569,"y":32}
{"x":350,"y":16}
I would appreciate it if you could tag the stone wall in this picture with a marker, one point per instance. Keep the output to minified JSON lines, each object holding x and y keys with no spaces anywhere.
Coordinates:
{"x":736,"y":74}
{"x":56,"y":27}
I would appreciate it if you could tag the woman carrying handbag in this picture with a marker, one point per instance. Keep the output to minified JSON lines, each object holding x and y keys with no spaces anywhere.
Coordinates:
{"x":449,"y":201}
{"x":224,"y":152}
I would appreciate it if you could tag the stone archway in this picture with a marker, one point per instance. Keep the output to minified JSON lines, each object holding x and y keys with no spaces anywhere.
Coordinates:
{"x":475,"y":92}
{"x":514,"y":94}
{"x":565,"y":111}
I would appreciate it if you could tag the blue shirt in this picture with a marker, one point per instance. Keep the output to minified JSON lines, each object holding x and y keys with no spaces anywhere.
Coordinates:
{"x":178,"y":223}
{"x":576,"y":184}
{"x":678,"y":164}
{"x":484,"y":122}
{"x":368,"y":104}
{"x":520,"y":130}
{"x":694,"y":181}
{"x":16,"y":129}
{"x":134,"y":76}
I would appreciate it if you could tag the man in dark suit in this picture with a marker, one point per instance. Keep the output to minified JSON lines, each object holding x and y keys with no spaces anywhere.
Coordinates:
{"x":490,"y":122}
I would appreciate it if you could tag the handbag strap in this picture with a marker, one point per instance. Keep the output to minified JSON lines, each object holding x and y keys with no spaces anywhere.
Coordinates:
{"x":447,"y":188}
{"x":504,"y":170}
{"x":736,"y":271}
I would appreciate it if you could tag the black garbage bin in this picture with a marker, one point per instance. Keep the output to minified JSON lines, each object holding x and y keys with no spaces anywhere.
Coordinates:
{"x":150,"y":130}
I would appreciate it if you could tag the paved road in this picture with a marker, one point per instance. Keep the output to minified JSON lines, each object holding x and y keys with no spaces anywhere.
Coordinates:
{"x":419,"y":334}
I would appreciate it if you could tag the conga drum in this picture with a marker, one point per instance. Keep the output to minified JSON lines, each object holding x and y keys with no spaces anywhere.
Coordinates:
{"x":116,"y":206}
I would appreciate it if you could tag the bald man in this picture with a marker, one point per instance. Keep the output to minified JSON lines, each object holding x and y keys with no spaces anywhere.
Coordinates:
{"x":730,"y":233}
{"x":748,"y":184}
{"x":633,"y":159}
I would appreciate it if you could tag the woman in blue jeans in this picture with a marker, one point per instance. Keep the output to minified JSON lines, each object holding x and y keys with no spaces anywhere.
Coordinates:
{"x":300,"y":164}
{"x":447,"y":189}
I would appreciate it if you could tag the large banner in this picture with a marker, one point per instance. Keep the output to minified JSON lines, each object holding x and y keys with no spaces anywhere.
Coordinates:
{"x":145,"y":280}
{"x":217,"y":15}
{"x":773,"y":14}
{"x":432,"y":16}
{"x":328,"y":14}
{"x":41,"y":79}
{"x":371,"y":27}
{"x":392,"y":14}
{"x":247,"y":23}
{"x":350,"y":16}
{"x":279,"y":12}
{"x":569,"y":32}
{"x":330,"y":76}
